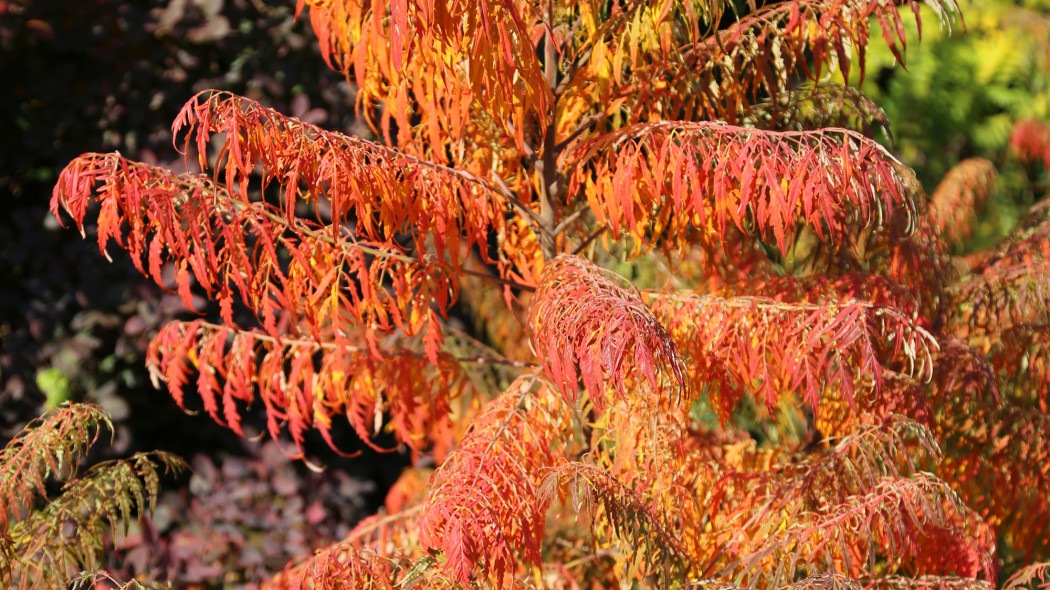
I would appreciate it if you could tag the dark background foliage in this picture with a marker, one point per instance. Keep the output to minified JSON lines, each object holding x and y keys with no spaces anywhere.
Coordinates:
{"x":104,"y":75}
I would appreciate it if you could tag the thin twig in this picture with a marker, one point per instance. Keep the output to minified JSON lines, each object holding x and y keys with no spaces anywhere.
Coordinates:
{"x":565,"y":222}
{"x":586,"y":125}
{"x":497,"y":279}
{"x":530,"y":215}
{"x":583,"y":245}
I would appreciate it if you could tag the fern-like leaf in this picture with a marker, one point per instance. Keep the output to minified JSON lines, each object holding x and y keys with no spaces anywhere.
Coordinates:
{"x":619,"y":512}
{"x":898,"y":513}
{"x":586,"y":323}
{"x":452,"y":55}
{"x":1021,"y":358}
{"x":73,"y":530}
{"x":660,"y":181}
{"x":304,"y":384}
{"x":1031,"y":141}
{"x":1028,"y":242}
{"x":926,"y":582}
{"x":763,"y":52}
{"x":328,"y":282}
{"x":485,"y":512}
{"x":337,"y":567}
{"x":45,"y":547}
{"x":451,"y":207}
{"x":741,"y":344}
{"x":960,"y":196}
{"x":998,"y":299}
{"x":1029,"y":576}
{"x":819,"y":106}
{"x":814,"y":582}
{"x":50,"y":446}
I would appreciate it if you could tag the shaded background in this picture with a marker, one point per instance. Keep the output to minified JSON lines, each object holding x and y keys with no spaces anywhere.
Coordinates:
{"x":104,"y":75}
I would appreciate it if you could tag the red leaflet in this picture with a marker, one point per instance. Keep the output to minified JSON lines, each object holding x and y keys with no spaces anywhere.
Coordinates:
{"x":432,"y":338}
{"x":485,"y":510}
{"x":749,"y":344}
{"x":583,"y":317}
{"x":306,"y":383}
{"x":841,"y":181}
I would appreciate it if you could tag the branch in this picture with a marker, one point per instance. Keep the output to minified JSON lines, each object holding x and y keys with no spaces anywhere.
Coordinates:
{"x":678,"y":182}
{"x":438,"y":203}
{"x":584,"y":323}
{"x":586,"y":242}
{"x":583,"y":127}
{"x":750,"y":344}
{"x":408,"y":392}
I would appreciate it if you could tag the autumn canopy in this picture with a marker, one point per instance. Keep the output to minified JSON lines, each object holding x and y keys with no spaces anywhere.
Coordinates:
{"x":589,"y":247}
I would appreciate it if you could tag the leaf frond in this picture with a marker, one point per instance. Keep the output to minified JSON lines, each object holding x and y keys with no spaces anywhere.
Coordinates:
{"x":323,"y":280}
{"x":585,"y":323}
{"x":669,"y":180}
{"x":769,"y":498}
{"x":999,"y":298}
{"x":1028,"y":242}
{"x":436,"y":60}
{"x":1031,"y":141}
{"x":927,"y":582}
{"x":71,"y":532}
{"x":379,"y":189}
{"x":960,"y":196}
{"x":1021,"y":358}
{"x":895,"y":515}
{"x":917,"y":260}
{"x":750,"y":344}
{"x":876,"y":289}
{"x":765,"y":51}
{"x":93,"y":579}
{"x":335,"y":567}
{"x":304,"y":384}
{"x":813,"y":582}
{"x":484,"y":512}
{"x":994,"y":461}
{"x":50,"y":446}
{"x":1029,"y":576}
{"x":620,"y":512}
{"x":819,"y":106}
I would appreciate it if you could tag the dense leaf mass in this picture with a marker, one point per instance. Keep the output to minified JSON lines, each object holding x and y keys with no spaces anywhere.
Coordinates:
{"x":587,"y":326}
{"x":655,"y":180}
{"x":641,"y":320}
{"x":741,"y":344}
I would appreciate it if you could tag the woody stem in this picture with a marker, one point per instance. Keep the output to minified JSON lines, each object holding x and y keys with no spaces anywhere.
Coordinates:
{"x":547,"y":165}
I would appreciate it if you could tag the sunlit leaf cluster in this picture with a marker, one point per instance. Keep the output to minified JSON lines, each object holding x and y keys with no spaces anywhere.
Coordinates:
{"x":641,"y":319}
